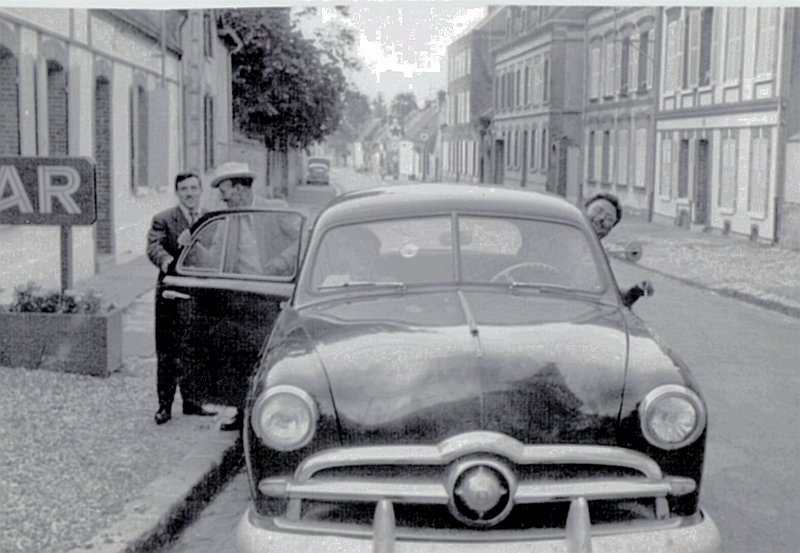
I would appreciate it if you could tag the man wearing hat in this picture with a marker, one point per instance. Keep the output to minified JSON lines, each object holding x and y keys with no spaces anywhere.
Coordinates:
{"x":267,"y":245}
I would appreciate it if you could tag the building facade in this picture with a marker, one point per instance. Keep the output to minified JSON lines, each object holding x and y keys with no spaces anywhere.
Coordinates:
{"x":538,"y":99}
{"x":622,"y":49}
{"x":146,"y":94}
{"x":720,"y":144}
{"x":469,"y":100}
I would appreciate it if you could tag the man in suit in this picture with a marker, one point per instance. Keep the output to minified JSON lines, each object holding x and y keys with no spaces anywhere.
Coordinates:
{"x":168,"y":234}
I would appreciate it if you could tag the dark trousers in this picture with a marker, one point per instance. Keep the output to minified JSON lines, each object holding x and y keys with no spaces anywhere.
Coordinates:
{"x":169,"y":373}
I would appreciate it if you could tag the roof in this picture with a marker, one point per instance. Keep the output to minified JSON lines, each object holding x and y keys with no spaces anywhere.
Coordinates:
{"x":429,"y":199}
{"x":370,"y":130}
{"x":422,"y":121}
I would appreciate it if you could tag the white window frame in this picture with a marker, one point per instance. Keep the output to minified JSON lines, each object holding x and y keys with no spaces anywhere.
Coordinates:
{"x":759,"y":174}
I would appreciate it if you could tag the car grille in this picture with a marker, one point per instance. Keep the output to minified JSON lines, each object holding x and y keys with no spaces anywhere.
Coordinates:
{"x":472,"y":483}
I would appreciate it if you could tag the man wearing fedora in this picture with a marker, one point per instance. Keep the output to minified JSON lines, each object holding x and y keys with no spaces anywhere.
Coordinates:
{"x":267,"y":245}
{"x":168,"y":234}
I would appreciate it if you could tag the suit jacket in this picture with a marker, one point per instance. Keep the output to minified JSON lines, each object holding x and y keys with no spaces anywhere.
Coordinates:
{"x":162,"y":238}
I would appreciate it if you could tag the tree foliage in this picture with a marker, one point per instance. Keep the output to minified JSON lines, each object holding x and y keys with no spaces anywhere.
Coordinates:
{"x":356,"y":115}
{"x":285,"y":88}
{"x":403,"y":104}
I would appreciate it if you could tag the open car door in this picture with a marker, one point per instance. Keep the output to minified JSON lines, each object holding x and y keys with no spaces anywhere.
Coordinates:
{"x":228,"y":285}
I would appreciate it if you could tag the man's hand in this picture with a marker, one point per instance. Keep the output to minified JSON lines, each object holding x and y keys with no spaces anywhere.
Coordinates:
{"x":184,"y":238}
{"x":277,"y":266}
{"x":166,"y":263}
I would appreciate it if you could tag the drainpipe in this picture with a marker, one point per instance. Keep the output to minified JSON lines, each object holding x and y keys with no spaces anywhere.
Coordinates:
{"x":163,"y":49}
{"x":653,"y":118}
{"x":182,"y":92}
{"x":786,"y":52}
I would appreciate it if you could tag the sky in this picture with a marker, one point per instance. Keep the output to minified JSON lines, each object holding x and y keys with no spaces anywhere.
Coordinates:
{"x":409,"y":38}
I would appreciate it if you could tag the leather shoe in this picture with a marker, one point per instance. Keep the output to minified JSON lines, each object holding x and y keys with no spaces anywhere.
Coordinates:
{"x":163,"y":415}
{"x":196,"y":409}
{"x":237,"y":423}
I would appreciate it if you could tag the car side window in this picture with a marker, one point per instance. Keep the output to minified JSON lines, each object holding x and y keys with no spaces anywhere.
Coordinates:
{"x":202,"y":254}
{"x":255,"y":244}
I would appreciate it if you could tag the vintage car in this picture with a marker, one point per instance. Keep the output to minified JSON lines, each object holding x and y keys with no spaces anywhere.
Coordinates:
{"x":453,"y":370}
{"x":318,"y":172}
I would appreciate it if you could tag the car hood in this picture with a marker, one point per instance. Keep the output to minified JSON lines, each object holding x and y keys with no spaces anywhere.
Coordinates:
{"x":426,"y":366}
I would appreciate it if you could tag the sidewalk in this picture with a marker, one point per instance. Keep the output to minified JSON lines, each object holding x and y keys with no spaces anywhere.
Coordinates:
{"x":767,"y":276}
{"x":85,"y":469}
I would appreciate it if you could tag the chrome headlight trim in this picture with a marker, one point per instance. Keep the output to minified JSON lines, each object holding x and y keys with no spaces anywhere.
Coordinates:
{"x":263,"y":401}
{"x":666,"y":391}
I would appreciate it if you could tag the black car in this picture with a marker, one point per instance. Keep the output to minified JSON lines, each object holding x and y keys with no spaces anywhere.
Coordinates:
{"x":455,"y":371}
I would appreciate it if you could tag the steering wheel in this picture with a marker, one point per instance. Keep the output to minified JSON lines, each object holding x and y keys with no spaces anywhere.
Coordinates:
{"x":554,"y":274}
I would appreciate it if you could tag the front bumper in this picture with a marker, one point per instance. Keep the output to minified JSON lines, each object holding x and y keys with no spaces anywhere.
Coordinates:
{"x":697,"y":534}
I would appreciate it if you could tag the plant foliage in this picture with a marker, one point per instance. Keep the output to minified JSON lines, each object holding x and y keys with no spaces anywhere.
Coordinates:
{"x":286,"y":89}
{"x":31,"y":298}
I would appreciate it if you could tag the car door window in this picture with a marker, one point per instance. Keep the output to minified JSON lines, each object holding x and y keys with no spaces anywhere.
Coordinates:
{"x":203,"y":254}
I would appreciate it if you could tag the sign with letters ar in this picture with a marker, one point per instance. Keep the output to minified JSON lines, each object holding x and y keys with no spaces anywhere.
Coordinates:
{"x":47,"y":191}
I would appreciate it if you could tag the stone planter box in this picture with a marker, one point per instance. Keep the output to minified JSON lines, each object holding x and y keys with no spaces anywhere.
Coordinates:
{"x":86,"y":344}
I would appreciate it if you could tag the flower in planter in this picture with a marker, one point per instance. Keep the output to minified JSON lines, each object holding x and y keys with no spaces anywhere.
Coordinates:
{"x":31,"y":298}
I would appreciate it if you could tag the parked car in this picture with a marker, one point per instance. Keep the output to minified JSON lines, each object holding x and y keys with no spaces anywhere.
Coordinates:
{"x":318,"y":171}
{"x":455,"y":371}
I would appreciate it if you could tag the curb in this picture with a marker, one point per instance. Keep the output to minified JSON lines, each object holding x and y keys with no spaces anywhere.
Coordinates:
{"x":172,"y":501}
{"x":746,"y":297}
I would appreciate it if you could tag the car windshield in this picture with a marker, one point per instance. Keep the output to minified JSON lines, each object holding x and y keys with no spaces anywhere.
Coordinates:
{"x":492,"y":250}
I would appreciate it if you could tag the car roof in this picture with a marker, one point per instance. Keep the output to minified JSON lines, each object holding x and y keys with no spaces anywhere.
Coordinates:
{"x":423,"y":199}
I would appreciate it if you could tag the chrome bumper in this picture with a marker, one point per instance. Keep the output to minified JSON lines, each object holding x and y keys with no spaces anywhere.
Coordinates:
{"x":255,"y":534}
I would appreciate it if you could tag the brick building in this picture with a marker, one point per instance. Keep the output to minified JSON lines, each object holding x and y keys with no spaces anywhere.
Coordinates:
{"x":146,"y":94}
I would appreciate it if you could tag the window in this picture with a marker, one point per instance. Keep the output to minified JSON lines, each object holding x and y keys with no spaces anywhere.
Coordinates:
{"x":598,"y":156}
{"x":516,"y":148}
{"x":665,"y":189}
{"x":208,"y":131}
{"x":683,"y":169}
{"x":497,"y":93}
{"x":622,"y":150}
{"x":733,"y":50}
{"x":727,"y":186}
{"x":767,"y":34}
{"x":645,"y":70}
{"x":590,"y":169}
{"x":518,"y":89}
{"x":624,"y":65}
{"x":759,"y":174}
{"x":545,"y":77}
{"x":692,"y":67}
{"x":641,"y":158}
{"x":544,"y":149}
{"x":594,"y":83}
{"x":532,"y":148}
{"x":606,"y":156}
{"x":208,"y":34}
{"x":537,"y":81}
{"x":673,"y":58}
{"x":608,"y":68}
{"x":633,"y":63}
{"x":706,"y":36}
{"x":9,"y":104}
{"x":508,"y":150}
{"x":57,"y":109}
{"x":138,"y":136}
{"x":527,"y":99}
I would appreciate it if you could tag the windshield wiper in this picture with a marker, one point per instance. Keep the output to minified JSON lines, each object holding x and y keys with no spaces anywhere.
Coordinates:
{"x":364,"y":284}
{"x":546,"y":288}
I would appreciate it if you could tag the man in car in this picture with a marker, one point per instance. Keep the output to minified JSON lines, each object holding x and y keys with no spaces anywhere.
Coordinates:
{"x":605,"y":212}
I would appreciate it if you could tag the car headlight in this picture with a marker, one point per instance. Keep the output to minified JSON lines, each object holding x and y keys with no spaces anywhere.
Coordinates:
{"x":672,"y":416}
{"x":285,"y":417}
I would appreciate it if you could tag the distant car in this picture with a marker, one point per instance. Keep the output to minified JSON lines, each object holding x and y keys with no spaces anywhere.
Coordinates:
{"x":455,"y":371}
{"x":318,"y":171}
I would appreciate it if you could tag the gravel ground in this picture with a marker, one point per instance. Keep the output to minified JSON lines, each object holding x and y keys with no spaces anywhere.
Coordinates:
{"x":75,"y":449}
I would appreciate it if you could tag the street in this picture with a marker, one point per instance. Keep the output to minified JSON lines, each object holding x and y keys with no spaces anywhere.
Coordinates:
{"x":745,"y":360}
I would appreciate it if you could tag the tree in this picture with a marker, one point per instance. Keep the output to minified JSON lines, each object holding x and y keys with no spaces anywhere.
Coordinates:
{"x":403,"y":104}
{"x":379,"y":108}
{"x":285,"y":89}
{"x":355,"y":116}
